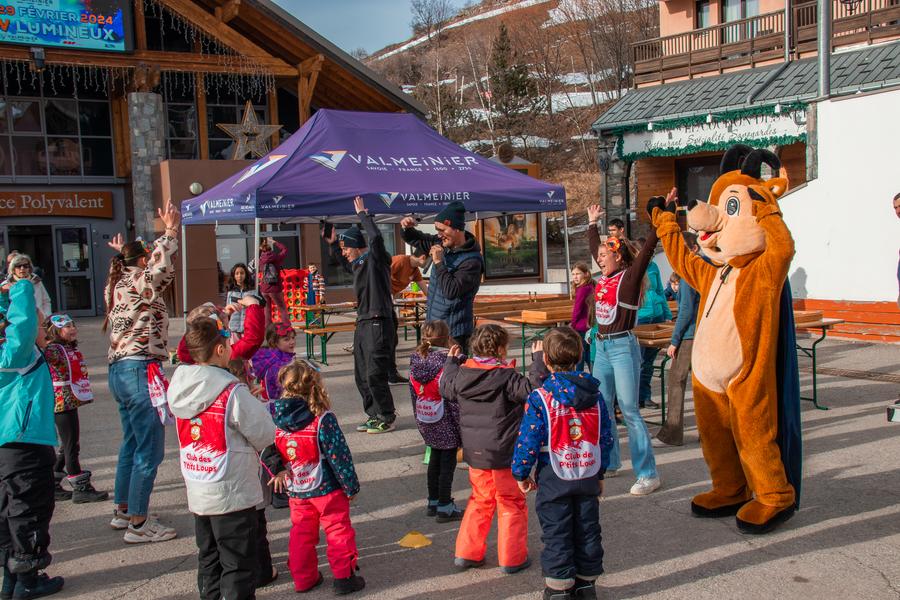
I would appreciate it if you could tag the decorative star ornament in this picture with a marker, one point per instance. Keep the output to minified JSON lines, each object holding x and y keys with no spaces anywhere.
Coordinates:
{"x":249,"y":135}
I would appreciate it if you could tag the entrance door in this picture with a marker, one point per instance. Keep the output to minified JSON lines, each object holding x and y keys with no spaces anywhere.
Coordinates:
{"x":695,"y":178}
{"x":74,"y":272}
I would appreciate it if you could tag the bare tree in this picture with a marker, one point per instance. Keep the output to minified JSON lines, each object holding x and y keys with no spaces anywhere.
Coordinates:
{"x":543,"y":48}
{"x":428,"y":16}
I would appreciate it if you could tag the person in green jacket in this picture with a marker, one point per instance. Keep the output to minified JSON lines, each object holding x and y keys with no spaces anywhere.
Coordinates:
{"x":27,"y":438}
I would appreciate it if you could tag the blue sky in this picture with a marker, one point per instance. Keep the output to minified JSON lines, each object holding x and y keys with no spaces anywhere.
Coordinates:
{"x":370,"y":24}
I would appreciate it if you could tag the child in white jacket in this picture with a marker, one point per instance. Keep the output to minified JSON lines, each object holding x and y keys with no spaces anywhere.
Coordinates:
{"x":221,"y":430}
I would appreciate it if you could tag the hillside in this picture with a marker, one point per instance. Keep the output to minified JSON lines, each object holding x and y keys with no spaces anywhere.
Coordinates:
{"x":531,"y":73}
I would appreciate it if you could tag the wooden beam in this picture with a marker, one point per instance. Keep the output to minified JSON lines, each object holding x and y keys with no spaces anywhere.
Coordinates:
{"x":166,"y":61}
{"x":210,"y":25}
{"x":273,"y":116}
{"x":202,"y":128}
{"x":121,"y":136}
{"x":228,"y":11}
{"x":308,"y":74}
{"x":140,"y":26}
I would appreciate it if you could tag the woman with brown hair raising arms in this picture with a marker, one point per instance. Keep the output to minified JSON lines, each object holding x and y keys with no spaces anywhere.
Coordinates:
{"x":137,"y":318}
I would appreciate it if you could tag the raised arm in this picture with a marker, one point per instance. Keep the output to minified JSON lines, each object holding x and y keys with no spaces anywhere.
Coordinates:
{"x":691,"y":267}
{"x":779,"y":243}
{"x":375,"y":238}
{"x":415,"y":238}
{"x":21,"y":332}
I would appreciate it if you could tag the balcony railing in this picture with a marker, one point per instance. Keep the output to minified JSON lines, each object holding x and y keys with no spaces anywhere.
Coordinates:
{"x":760,"y":40}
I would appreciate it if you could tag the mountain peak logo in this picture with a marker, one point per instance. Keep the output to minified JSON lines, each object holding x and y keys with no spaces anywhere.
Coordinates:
{"x":263,"y":164}
{"x":550,"y":194}
{"x":277,"y":199}
{"x":329,"y":158}
{"x":389,"y":198}
{"x":203,"y":208}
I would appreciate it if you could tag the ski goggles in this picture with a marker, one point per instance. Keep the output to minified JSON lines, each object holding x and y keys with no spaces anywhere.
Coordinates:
{"x":60,"y":321}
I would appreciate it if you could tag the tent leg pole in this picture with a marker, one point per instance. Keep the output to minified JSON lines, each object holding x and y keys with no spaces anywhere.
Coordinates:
{"x":566,"y":243}
{"x":184,"y":293}
{"x":256,"y":234}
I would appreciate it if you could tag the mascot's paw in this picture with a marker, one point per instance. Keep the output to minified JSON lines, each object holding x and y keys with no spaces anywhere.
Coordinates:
{"x":755,"y":518}
{"x":660,"y":203}
{"x":712,"y":505}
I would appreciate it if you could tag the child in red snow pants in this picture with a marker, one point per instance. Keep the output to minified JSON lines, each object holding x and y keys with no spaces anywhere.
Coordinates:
{"x":332,"y":511}
{"x":494,"y":490}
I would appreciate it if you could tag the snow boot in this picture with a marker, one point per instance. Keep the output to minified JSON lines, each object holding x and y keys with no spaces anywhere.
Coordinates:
{"x":84,"y":492}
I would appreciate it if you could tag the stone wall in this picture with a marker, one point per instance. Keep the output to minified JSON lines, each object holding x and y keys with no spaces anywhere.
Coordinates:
{"x":147,"y":127}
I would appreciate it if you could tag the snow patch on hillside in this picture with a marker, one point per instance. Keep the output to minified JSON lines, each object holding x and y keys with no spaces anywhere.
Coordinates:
{"x":480,"y":17}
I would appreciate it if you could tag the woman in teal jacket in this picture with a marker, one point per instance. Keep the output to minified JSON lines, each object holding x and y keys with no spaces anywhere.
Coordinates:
{"x":27,"y":437}
{"x":654,"y":309}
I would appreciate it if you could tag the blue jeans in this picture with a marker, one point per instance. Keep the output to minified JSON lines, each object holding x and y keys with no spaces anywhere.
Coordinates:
{"x":617,"y":364}
{"x":143,"y":435}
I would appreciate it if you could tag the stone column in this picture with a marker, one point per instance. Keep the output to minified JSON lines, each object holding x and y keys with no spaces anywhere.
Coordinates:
{"x":147,"y":124}
{"x":612,"y":180}
{"x":812,"y":143}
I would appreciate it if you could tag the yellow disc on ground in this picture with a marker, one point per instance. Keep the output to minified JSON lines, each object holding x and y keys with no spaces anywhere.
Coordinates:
{"x":414,"y":539}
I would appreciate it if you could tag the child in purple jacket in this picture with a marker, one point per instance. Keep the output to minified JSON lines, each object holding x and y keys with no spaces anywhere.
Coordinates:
{"x":437,"y":419}
{"x":280,"y":341}
{"x":584,"y":292}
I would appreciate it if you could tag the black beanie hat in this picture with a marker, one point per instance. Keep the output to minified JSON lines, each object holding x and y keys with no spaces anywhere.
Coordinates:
{"x":453,"y":215}
{"x":353,"y":238}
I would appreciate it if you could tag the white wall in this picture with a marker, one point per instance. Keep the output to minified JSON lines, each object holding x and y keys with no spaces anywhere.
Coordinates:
{"x":843,"y":223}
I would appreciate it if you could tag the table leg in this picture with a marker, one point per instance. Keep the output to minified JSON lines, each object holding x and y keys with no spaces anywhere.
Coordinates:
{"x":524,"y":342}
{"x":662,"y":388}
{"x":325,"y":338}
{"x":811,"y":353}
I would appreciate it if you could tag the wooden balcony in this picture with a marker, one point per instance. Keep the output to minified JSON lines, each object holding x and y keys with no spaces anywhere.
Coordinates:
{"x":760,"y":40}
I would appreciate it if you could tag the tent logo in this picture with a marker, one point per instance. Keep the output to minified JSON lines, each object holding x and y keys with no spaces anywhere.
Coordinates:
{"x":223,"y":205}
{"x":277,"y":199}
{"x":389,"y":198}
{"x":550,"y":194}
{"x":263,"y":164}
{"x":329,"y":158}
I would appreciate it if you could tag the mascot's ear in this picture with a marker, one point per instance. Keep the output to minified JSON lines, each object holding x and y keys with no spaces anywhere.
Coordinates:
{"x":752,"y":165}
{"x":733,"y":158}
{"x":777,"y":185}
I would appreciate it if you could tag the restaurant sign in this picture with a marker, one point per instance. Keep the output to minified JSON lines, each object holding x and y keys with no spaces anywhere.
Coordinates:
{"x":56,"y":204}
{"x":759,"y":130}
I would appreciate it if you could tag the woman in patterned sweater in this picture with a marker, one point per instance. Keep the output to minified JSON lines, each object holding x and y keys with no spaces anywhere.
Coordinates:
{"x":137,"y":317}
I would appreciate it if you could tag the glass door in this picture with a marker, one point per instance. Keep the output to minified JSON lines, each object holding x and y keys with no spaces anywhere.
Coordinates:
{"x":74,"y":272}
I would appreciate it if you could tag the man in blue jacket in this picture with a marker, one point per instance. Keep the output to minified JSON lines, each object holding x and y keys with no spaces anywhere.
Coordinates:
{"x":27,"y":438}
{"x":679,"y":350}
{"x":458,"y":266}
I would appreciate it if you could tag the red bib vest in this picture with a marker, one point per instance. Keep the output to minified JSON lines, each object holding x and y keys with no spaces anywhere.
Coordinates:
{"x":204,"y":440}
{"x":606,"y":297}
{"x":574,"y":439}
{"x":78,"y":380}
{"x":301,"y":450}
{"x":429,"y":404}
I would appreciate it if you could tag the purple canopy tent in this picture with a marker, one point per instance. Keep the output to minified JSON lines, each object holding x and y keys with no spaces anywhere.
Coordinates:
{"x":398,"y":164}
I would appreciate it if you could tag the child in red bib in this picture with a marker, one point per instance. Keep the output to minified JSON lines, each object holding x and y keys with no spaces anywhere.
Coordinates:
{"x":567,"y":433}
{"x":72,"y":389}
{"x":315,"y":467}
{"x":437,"y":419}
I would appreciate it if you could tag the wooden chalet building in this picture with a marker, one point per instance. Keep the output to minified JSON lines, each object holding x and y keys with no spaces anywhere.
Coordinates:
{"x":109,"y":109}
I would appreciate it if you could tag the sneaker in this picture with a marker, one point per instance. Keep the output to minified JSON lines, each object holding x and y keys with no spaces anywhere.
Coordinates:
{"x":151,"y":531}
{"x":38,"y":586}
{"x":370,"y":422}
{"x":348,"y":585}
{"x":380,"y":427}
{"x":584,"y":590}
{"x":650,"y":404}
{"x":465,"y":563}
{"x":61,"y":494}
{"x":644,"y":486}
{"x":121,"y":520}
{"x":448,"y":513}
{"x":397,"y":379}
{"x":610,"y":473}
{"x":431,"y":509}
{"x":517,"y":568}
{"x":551,"y":594}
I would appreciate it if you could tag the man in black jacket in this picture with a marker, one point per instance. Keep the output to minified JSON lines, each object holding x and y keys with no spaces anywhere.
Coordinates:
{"x":372,"y":341}
{"x":458,"y":266}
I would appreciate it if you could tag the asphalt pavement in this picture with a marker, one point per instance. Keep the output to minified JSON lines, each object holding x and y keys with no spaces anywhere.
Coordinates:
{"x":843,"y":543}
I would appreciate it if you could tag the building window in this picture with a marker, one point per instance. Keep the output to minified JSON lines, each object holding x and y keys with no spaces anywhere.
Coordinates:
{"x":334,"y":273}
{"x":164,"y":32}
{"x":703,"y":14}
{"x":178,"y":91}
{"x":235,"y":244}
{"x":226,"y":98}
{"x":55,"y":124}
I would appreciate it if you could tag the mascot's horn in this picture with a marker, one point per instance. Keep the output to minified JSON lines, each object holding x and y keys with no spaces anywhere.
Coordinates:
{"x":753,"y":162}
{"x":734,"y":158}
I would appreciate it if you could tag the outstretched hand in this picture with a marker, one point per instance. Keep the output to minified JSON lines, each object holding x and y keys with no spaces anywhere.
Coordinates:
{"x":408,"y":222}
{"x":455,"y":351}
{"x":170,"y":216}
{"x":359,"y":205}
{"x":116,"y":242}
{"x":595,"y":212}
{"x":667,"y":204}
{"x":537,"y":346}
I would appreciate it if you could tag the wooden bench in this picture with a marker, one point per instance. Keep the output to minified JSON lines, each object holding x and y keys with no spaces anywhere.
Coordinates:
{"x":325,"y":334}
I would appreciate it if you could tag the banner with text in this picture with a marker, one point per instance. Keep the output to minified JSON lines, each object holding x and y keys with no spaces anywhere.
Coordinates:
{"x":56,"y":204}
{"x":762,"y":130}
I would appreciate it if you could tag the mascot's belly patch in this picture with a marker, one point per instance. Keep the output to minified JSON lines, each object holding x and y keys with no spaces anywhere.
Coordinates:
{"x":717,"y":357}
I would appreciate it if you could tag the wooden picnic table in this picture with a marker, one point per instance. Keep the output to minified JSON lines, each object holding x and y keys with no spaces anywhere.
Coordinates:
{"x":823,"y":325}
{"x":317,"y":325}
{"x":537,"y":328}
{"x":417,"y":304}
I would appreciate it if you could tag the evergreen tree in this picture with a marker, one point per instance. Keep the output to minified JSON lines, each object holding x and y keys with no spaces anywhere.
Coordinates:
{"x":513,"y":94}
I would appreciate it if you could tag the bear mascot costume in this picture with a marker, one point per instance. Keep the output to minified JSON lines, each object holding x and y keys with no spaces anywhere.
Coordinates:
{"x":744,"y":362}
